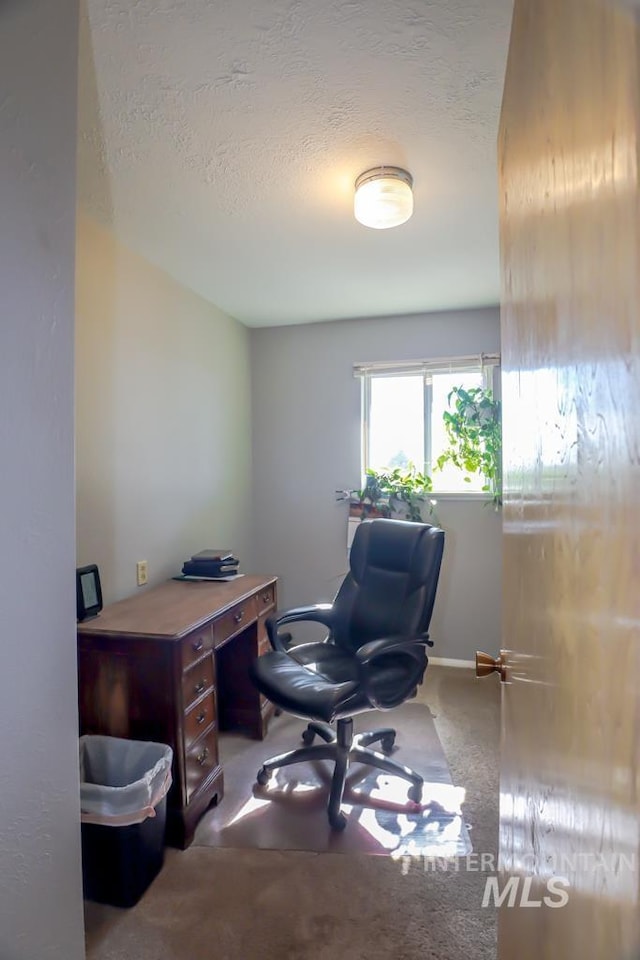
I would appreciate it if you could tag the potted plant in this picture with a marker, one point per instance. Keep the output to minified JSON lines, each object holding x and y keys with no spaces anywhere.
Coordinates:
{"x":474,"y":430}
{"x":372,"y":500}
{"x":401,"y":492}
{"x":408,"y":492}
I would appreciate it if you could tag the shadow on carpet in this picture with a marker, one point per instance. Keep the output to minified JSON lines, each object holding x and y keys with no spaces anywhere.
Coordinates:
{"x":290,"y":811}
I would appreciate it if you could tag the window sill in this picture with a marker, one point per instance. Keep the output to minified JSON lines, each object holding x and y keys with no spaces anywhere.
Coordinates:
{"x":471,"y":496}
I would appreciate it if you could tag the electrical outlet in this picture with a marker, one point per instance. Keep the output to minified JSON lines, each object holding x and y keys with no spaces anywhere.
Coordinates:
{"x":141,"y":571}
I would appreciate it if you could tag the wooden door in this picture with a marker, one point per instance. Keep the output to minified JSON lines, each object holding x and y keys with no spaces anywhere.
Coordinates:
{"x":568,"y":155}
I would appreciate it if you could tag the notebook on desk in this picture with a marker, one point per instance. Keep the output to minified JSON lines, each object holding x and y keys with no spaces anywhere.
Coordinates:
{"x":218,"y":555}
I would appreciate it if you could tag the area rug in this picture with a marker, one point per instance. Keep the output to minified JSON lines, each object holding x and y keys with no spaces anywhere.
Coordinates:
{"x":289,"y":812}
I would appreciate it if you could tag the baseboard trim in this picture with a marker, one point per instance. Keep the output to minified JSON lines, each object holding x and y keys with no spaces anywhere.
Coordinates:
{"x":446,"y":662}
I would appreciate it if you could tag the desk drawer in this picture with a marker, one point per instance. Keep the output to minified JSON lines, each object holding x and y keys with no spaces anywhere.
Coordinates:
{"x":198,"y":718}
{"x":266,"y":599}
{"x":201,"y":760}
{"x":264,"y":645}
{"x":197,"y":681}
{"x":196,"y":645}
{"x":233,"y":621}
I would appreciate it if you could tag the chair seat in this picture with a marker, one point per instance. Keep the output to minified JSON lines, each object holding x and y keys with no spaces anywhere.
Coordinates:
{"x":327,"y":660}
{"x":320,"y":681}
{"x":300,"y":689}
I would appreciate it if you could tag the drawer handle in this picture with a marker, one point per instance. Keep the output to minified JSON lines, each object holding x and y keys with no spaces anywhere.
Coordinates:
{"x":200,"y":687}
{"x":266,"y":597}
{"x":201,"y":759}
{"x":237,"y":617}
{"x":198,"y":645}
{"x":201,"y":718}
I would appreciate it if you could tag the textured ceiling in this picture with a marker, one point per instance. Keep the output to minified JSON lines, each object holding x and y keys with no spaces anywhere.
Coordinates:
{"x":222,"y":140}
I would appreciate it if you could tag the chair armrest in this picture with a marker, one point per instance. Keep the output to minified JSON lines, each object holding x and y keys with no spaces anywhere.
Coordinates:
{"x":368,"y":653}
{"x":317,"y":613}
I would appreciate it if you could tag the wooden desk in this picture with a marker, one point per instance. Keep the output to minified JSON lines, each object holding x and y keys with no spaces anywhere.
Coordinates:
{"x":170,"y":665}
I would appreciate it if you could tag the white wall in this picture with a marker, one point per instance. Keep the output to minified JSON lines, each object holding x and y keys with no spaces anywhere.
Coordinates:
{"x":163,"y":419}
{"x":40,"y":882}
{"x":306,"y":424}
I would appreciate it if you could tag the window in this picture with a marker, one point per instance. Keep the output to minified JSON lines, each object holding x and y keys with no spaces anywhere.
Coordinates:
{"x":402,"y":415}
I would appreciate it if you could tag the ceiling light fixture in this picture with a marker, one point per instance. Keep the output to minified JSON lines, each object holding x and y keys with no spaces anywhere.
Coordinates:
{"x":383,"y":197}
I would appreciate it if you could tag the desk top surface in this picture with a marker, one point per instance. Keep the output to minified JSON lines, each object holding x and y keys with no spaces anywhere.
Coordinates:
{"x":174,"y":608}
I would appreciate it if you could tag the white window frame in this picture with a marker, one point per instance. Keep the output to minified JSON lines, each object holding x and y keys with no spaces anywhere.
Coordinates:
{"x":484,"y":363}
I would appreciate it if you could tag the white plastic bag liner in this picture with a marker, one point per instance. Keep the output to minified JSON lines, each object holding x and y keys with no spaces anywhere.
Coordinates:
{"x":122,"y":781}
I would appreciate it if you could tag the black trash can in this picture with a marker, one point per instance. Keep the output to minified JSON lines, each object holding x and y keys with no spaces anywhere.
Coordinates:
{"x":123,"y":787}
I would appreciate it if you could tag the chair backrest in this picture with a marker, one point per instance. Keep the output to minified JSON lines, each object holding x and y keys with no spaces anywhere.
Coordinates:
{"x":391,"y":585}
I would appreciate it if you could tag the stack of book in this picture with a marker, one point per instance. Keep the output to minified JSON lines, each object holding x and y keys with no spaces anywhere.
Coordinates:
{"x":211,"y":564}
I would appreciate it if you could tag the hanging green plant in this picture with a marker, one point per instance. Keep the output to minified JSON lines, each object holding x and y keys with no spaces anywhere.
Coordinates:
{"x":474,"y":430}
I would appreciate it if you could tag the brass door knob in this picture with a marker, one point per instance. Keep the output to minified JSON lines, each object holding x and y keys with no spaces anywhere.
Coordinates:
{"x":486,"y":665}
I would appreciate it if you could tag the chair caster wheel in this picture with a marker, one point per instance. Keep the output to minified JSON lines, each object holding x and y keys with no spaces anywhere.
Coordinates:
{"x":263,"y":776}
{"x":308,"y":737}
{"x":337,"y":821}
{"x":387,"y":744}
{"x":415,"y":792}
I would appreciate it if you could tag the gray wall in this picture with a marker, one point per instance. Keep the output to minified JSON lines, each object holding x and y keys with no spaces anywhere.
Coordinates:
{"x":163,"y":438}
{"x":306,"y":429}
{"x":40,"y":884}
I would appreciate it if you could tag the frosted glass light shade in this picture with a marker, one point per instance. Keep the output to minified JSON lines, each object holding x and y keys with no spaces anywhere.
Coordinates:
{"x":383,"y":197}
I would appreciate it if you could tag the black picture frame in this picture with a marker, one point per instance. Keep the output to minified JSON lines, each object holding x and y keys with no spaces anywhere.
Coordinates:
{"x":88,"y":592}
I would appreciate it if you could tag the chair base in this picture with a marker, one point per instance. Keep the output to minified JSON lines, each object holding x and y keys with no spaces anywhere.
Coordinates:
{"x":344,"y":748}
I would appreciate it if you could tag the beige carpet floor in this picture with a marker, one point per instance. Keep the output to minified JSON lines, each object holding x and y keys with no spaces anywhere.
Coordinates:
{"x":241,"y":904}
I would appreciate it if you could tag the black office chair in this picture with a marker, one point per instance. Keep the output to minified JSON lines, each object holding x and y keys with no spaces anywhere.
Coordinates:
{"x":373,"y":657}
